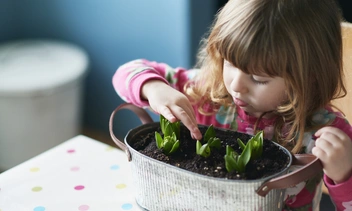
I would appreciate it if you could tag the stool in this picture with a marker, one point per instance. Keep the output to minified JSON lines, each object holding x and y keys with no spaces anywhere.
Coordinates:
{"x":41,"y":90}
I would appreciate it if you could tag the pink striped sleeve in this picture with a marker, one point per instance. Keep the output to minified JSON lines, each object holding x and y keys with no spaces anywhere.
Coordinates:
{"x":130,"y":77}
{"x":341,"y":194}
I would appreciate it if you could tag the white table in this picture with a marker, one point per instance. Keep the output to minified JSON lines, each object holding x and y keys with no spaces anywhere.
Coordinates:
{"x":80,"y":174}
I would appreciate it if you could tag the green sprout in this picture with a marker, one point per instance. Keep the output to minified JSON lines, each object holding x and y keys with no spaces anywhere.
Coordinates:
{"x":256,"y":143}
{"x":169,"y":142}
{"x":250,"y":151}
{"x":211,"y":141}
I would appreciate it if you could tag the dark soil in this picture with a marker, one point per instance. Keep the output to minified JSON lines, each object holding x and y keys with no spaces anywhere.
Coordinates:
{"x":273,"y":160}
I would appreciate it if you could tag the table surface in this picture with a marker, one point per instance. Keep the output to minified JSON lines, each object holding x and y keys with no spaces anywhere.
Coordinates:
{"x":80,"y":174}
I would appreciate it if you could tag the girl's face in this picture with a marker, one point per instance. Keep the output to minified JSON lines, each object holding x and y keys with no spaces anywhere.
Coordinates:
{"x":253,"y":93}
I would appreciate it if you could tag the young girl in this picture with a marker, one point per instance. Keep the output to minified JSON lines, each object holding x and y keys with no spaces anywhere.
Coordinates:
{"x":272,"y":65}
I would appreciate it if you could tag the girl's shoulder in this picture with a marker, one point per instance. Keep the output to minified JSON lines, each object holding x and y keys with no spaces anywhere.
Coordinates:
{"x":334,"y":118}
{"x":328,"y":115}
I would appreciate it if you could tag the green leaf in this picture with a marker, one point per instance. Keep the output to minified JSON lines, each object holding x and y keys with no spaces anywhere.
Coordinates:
{"x":205,"y":151}
{"x":259,"y":135}
{"x":229,"y":150}
{"x":230,"y":162}
{"x":244,"y":158}
{"x":198,"y":146}
{"x":176,"y":128}
{"x":159,"y":140}
{"x":257,"y":145}
{"x":174,"y":147}
{"x":250,"y":151}
{"x":242,"y":145}
{"x":167,"y":145}
{"x":163,"y":122}
{"x":209,"y":133}
{"x":169,"y":142}
{"x":214,"y":142}
{"x":168,"y":129}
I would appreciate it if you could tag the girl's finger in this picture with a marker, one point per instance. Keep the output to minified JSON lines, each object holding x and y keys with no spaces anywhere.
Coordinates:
{"x":324,"y":145}
{"x":329,"y":131}
{"x":166,"y":112}
{"x":189,"y":122}
{"x":319,"y":153}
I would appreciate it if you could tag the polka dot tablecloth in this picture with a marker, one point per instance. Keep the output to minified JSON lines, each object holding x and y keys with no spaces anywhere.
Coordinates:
{"x":80,"y":174}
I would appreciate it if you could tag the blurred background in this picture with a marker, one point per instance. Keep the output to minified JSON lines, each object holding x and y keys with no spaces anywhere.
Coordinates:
{"x":112,"y":32}
{"x":109,"y":33}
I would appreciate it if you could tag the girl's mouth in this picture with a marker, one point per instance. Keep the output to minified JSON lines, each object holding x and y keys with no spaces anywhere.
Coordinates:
{"x":240,"y":102}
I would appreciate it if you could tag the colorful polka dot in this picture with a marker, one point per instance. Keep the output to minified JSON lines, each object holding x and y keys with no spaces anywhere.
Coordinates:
{"x":70,"y":151}
{"x":37,"y":189}
{"x":110,"y":148}
{"x":114,"y":167}
{"x":79,"y":187}
{"x":40,"y":208}
{"x":121,"y":186}
{"x":74,"y":168}
{"x":34,"y":169}
{"x":83,"y":208}
{"x":126,"y":206}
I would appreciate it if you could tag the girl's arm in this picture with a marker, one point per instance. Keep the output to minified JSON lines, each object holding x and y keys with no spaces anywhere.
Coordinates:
{"x":145,"y":83}
{"x":340,"y":194}
{"x":129,"y":79}
{"x":334,"y":148}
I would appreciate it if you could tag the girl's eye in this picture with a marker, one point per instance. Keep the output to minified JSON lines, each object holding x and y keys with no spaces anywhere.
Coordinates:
{"x":261,"y":82}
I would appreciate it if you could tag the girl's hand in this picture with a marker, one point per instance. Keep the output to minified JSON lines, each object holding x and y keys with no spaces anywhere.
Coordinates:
{"x":334,"y":148}
{"x":172,"y":104}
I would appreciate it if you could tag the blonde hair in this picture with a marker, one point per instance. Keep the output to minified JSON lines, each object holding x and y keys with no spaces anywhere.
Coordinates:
{"x":298,"y":40}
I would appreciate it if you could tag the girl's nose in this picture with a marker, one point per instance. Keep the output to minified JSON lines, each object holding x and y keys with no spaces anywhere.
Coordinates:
{"x":240,"y":82}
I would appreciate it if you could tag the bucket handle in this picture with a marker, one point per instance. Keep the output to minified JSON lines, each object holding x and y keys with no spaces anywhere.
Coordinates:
{"x":141,"y":113}
{"x":311,"y":165}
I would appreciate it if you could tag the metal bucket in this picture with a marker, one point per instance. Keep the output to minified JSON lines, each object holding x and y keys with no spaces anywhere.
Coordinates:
{"x":163,"y":187}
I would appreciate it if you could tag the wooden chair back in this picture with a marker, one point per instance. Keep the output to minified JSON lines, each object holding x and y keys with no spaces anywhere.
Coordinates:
{"x":345,"y":104}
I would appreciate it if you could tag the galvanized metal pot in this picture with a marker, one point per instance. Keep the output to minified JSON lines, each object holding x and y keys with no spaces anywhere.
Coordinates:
{"x":163,"y":187}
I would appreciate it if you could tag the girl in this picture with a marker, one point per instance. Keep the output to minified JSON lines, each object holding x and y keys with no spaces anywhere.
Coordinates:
{"x":272,"y":65}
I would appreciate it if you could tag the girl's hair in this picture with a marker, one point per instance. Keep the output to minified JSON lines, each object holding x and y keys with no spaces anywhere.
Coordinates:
{"x":298,"y":40}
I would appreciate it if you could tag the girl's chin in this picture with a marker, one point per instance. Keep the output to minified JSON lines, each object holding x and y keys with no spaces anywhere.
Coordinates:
{"x":257,"y":115}
{"x":268,"y":114}
{"x":251,"y":112}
